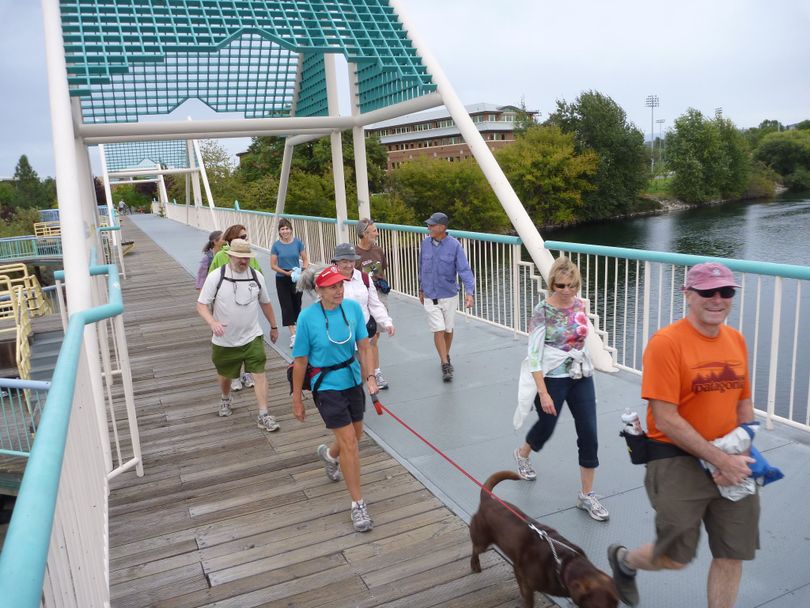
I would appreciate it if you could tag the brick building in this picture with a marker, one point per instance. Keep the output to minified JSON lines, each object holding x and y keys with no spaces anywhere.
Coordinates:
{"x":434,"y":134}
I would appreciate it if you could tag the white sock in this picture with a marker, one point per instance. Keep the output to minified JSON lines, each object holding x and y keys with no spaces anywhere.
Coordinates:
{"x":359,"y":502}
{"x":329,"y":456}
{"x":377,"y":371}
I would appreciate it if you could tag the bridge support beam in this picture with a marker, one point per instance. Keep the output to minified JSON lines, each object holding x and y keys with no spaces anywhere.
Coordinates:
{"x":359,"y":144}
{"x":341,"y":213}
{"x":492,"y":171}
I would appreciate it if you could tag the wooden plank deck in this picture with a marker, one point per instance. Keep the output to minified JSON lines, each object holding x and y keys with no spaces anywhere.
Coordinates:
{"x":229,"y":516}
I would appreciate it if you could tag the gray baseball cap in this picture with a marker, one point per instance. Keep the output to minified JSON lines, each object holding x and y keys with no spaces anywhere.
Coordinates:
{"x":345,"y":251}
{"x":437,"y":218}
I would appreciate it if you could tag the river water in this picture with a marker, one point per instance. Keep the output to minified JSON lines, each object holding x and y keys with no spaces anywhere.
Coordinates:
{"x":777,"y":230}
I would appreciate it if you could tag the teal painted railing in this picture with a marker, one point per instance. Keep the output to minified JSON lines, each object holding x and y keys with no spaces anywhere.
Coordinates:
{"x":22,"y":248}
{"x":25,"y":550}
{"x":500,"y":286}
{"x":21,"y":404}
{"x":786,"y":271}
{"x":633,"y":293}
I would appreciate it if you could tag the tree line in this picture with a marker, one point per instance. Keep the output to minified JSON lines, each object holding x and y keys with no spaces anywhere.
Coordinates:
{"x":585,"y":162}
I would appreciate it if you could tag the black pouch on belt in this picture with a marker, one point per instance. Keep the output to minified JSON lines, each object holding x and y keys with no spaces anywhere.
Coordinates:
{"x":642,"y":449}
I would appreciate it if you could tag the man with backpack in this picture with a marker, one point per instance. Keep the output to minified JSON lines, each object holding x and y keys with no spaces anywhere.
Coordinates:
{"x":229,"y":302}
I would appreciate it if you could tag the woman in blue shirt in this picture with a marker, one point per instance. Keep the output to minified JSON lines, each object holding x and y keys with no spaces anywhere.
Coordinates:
{"x":284,"y":256}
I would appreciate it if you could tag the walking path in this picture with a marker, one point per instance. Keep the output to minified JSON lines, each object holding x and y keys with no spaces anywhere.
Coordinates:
{"x":470,"y":420}
{"x":229,"y":516}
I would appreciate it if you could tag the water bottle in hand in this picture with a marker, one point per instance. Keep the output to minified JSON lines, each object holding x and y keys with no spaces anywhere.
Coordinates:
{"x":631,"y":423}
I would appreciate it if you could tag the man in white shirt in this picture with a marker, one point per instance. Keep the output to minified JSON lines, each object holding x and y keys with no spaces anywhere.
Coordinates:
{"x":236,"y":293}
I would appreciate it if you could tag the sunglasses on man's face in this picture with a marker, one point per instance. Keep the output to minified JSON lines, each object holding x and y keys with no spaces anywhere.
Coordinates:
{"x":725,"y":292}
{"x":243,"y":237}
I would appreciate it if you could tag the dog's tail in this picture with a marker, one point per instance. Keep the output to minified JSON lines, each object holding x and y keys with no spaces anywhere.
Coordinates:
{"x":497,"y":478}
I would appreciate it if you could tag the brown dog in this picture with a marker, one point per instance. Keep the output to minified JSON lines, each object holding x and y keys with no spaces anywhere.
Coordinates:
{"x":531,"y":556}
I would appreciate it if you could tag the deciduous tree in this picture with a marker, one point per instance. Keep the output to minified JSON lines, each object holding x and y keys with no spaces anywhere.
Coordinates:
{"x":785,"y":152}
{"x":458,"y":189}
{"x":693,"y":150}
{"x":548,"y":174}
{"x":598,"y":123}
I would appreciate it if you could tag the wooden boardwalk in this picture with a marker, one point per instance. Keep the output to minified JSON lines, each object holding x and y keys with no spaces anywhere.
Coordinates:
{"x":229,"y":516}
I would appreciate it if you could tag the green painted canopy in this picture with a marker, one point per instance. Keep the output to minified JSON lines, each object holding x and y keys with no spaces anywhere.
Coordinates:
{"x":132,"y":155}
{"x":129,"y":59}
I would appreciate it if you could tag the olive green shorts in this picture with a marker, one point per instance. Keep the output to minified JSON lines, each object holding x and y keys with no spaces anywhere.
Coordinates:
{"x":683,"y":495}
{"x":229,"y":359}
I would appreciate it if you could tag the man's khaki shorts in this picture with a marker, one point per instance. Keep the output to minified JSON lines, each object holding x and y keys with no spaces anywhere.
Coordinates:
{"x":441,"y":316}
{"x":683,"y":494}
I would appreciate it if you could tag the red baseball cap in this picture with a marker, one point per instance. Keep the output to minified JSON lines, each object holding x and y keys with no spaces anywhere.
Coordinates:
{"x":709,"y":275}
{"x":329,"y":276}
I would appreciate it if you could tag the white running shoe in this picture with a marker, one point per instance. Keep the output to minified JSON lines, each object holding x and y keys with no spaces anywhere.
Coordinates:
{"x":225,"y":407}
{"x":247,"y":380}
{"x":267,"y":423}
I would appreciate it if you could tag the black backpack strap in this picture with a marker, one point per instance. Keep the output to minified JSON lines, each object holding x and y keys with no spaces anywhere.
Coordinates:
{"x":255,"y":277}
{"x":325,"y":370}
{"x":219,"y":284}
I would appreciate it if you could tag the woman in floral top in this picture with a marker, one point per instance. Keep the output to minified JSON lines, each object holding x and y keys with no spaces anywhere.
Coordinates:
{"x":559,"y":363}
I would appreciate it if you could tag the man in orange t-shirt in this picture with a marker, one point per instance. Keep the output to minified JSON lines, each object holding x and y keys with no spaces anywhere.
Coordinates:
{"x":697,"y":384}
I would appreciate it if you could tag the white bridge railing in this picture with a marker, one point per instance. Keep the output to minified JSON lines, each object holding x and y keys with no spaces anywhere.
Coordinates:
{"x":631,"y":294}
{"x":637,"y":292}
{"x":505,"y":287}
{"x":56,"y":550}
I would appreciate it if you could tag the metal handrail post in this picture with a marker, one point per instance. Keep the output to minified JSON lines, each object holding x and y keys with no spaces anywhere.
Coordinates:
{"x":774,"y":363}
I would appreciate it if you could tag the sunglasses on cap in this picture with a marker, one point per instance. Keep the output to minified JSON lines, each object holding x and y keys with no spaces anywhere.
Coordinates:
{"x":725,"y":292}
{"x":243,"y":237}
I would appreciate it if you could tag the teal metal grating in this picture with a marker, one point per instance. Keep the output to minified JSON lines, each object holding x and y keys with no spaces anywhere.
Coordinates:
{"x":250,"y":75}
{"x":312,"y":88}
{"x":128,"y":59}
{"x":168,"y":154}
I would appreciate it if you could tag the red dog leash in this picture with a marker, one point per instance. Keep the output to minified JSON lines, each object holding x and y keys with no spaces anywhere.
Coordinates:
{"x":380,"y":408}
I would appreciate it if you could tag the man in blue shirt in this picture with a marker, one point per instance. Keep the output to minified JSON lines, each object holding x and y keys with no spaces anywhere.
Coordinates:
{"x":328,"y":331}
{"x":441,"y":261}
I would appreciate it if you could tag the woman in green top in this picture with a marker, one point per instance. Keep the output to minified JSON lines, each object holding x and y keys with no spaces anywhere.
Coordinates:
{"x":237,"y":231}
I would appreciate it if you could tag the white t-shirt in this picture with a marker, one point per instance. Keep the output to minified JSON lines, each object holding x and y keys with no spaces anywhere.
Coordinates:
{"x":236,"y":305}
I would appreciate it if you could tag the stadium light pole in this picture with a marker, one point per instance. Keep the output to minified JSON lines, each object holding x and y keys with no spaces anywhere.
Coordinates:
{"x":660,"y":122}
{"x":652,"y":103}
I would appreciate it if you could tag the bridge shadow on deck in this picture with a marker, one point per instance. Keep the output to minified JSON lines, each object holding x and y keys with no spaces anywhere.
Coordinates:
{"x":470,"y":420}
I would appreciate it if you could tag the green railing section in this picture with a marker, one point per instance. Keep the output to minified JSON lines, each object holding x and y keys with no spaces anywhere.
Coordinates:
{"x":683,"y":259}
{"x":21,"y":403}
{"x":25,"y":550}
{"x":476,"y":236}
{"x":20,"y":248}
{"x":127,"y":60}
{"x":32,"y":248}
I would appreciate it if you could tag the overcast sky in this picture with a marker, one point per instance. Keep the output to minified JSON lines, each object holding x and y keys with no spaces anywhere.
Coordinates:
{"x":750,"y":57}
